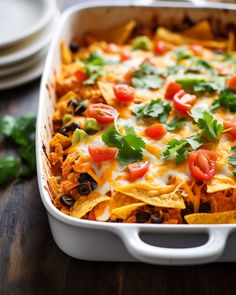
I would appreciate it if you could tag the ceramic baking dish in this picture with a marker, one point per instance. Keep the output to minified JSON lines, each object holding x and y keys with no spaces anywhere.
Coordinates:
{"x":89,"y":240}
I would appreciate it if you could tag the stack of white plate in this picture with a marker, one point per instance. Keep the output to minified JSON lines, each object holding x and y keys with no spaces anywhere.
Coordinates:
{"x":26,"y":28}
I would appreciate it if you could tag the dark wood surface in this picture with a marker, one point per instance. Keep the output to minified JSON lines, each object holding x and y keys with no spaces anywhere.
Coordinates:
{"x":31,"y":263}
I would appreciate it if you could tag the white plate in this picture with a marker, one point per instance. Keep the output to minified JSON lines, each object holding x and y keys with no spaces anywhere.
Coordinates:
{"x":24,"y":77}
{"x":29,"y":47}
{"x":29,"y":62}
{"x":20,"y":19}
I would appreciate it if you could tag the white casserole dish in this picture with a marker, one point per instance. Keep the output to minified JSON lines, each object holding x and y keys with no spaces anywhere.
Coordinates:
{"x":157,"y":244}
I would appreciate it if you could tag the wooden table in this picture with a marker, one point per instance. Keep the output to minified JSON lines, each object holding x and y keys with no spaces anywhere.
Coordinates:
{"x":31,"y":263}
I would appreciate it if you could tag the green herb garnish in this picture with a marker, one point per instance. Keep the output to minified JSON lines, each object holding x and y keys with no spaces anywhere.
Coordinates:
{"x":179,"y":148}
{"x":146,"y":77}
{"x":130,"y":145}
{"x":175,"y":124}
{"x":155,"y":109}
{"x":227,"y":99}
{"x":21,"y":132}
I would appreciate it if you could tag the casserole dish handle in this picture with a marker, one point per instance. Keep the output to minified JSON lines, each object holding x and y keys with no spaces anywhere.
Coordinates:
{"x":208,"y":252}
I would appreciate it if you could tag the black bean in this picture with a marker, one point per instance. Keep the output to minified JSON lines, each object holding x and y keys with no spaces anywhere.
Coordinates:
{"x":118,"y":220}
{"x":74,"y":46}
{"x":187,"y":210}
{"x":84,"y":188}
{"x":69,"y":128}
{"x":80,"y":109}
{"x":142,"y":217}
{"x":85,"y":177}
{"x":204,"y":207}
{"x":157,"y":217}
{"x":67,"y":200}
{"x":73,"y":103}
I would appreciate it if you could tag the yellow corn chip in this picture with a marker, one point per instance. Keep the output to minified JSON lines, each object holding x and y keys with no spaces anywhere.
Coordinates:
{"x":68,"y":96}
{"x":125,"y":211}
{"x":63,"y":140}
{"x":65,"y":54}
{"x":212,"y":218}
{"x":201,"y":30}
{"x":220,"y":183}
{"x":86,"y":203}
{"x":107,"y":92}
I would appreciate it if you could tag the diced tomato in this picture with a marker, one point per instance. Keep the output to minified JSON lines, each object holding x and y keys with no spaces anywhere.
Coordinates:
{"x":124,"y":55}
{"x":224,"y":70}
{"x":231,"y":125}
{"x":156,"y":131}
{"x":160,"y":48}
{"x":183,"y":101}
{"x":81,"y":76}
{"x":196,"y":48}
{"x":111,"y":48}
{"x":138,"y":169}
{"x":103,"y":113}
{"x":231,"y":83}
{"x":202,"y":164}
{"x":102,"y":153}
{"x":124,"y":93}
{"x":172,"y":89}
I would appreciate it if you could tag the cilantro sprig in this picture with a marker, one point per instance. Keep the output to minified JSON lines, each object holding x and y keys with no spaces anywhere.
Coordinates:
{"x":179,"y":148}
{"x":146,"y":77}
{"x":232,"y":160}
{"x":130,"y":145}
{"x":175,"y":124}
{"x":226,"y":99}
{"x":21,"y":133}
{"x":210,"y":127}
{"x":155,"y":109}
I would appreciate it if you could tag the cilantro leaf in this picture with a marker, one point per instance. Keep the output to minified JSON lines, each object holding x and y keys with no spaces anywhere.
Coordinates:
{"x":6,"y":125}
{"x":23,"y":129}
{"x":9,"y":169}
{"x":146,"y":77}
{"x":227,"y":99}
{"x":205,"y":87}
{"x":155,"y":109}
{"x":181,"y":54}
{"x":211,"y":128}
{"x":175,"y":124}
{"x":179,"y":148}
{"x":130,"y":145}
{"x":93,"y":72}
{"x":188,"y":82}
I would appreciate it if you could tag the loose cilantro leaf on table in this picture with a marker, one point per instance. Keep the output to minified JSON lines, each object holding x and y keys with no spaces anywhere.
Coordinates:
{"x":155,"y":109}
{"x":232,"y":160}
{"x":227,"y":99}
{"x":211,"y":128}
{"x":179,"y":148}
{"x":146,"y":77}
{"x":21,"y":132}
{"x":175,"y":124}
{"x":9,"y":169}
{"x":130,"y":146}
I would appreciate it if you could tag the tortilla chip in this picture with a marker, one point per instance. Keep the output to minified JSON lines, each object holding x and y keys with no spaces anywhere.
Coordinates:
{"x":68,"y":96}
{"x":125,"y":211}
{"x":201,"y":30}
{"x":179,"y":39}
{"x":231,"y":42}
{"x":107,"y":92}
{"x":66,"y":55}
{"x":63,"y":140}
{"x":220,"y":183}
{"x":212,"y":218}
{"x":154,"y":195}
{"x":119,"y":34}
{"x":86,"y":203}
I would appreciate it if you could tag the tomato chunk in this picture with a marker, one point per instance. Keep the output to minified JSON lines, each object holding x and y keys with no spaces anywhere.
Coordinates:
{"x":196,"y":48}
{"x":81,"y":76}
{"x":156,"y":131}
{"x":202,"y":164}
{"x":102,"y":153}
{"x":231,"y":83}
{"x":103,"y":113}
{"x":138,"y":169}
{"x":231,"y":125}
{"x":172,"y":89}
{"x":160,"y":48}
{"x":183,"y":101}
{"x":124,"y":93}
{"x":124,"y":55}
